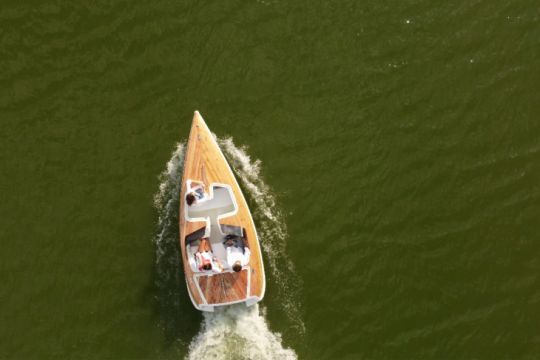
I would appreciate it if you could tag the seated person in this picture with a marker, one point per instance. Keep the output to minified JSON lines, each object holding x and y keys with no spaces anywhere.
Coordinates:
{"x":205,"y":259}
{"x":195,"y":192}
{"x":237,"y":253}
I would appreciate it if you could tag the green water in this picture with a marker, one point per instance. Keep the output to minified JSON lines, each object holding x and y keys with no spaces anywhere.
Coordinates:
{"x":400,"y":141}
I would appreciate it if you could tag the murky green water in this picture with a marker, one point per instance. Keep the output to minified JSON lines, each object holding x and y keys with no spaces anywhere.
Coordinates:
{"x":399,"y":140}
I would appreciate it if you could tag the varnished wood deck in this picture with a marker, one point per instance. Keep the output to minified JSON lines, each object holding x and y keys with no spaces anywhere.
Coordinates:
{"x":225,"y":287}
{"x":205,"y":162}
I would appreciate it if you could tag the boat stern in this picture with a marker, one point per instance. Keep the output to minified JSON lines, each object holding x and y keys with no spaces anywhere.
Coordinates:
{"x":209,"y":303}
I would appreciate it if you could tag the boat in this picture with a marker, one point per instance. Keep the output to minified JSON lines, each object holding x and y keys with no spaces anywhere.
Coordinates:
{"x":223,"y":215}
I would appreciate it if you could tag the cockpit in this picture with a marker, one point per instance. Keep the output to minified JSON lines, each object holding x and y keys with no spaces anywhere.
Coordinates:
{"x":212,"y":207}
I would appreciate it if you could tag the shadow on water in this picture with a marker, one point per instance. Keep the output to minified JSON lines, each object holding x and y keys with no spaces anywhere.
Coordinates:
{"x":177,"y":317}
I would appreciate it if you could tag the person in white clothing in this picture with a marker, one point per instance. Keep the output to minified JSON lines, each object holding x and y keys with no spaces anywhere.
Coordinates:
{"x":196,"y":192}
{"x":237,"y":255}
{"x":204,"y":258}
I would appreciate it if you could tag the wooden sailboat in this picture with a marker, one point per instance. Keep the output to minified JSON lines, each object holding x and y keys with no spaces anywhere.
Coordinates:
{"x":222,"y":215}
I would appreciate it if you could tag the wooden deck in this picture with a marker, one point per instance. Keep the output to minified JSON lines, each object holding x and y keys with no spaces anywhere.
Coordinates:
{"x":225,"y":287}
{"x":205,"y":162}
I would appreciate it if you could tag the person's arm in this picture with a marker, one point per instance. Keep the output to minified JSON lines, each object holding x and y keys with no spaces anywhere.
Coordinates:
{"x":196,"y":184}
{"x":216,"y":265}
{"x":201,"y":184}
{"x":228,"y":256}
{"x":193,"y":263}
{"x":247,"y":254}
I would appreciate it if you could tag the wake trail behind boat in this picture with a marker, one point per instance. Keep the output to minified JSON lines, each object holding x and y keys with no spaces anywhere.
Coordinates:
{"x":237,"y":332}
{"x":234,"y":331}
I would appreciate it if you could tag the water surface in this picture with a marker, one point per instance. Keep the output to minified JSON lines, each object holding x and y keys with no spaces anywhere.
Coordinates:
{"x":399,"y":141}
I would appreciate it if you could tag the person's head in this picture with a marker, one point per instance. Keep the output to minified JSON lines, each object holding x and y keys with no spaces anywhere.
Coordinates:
{"x":190,"y":199}
{"x":207,"y":266}
{"x":237,"y":267}
{"x":229,"y":242}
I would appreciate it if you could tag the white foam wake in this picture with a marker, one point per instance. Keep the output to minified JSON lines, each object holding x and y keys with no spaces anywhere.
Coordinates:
{"x":166,"y":202}
{"x":236,"y":331}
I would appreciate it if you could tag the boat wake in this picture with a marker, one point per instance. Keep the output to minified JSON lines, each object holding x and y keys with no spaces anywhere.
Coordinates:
{"x":235,"y":331}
